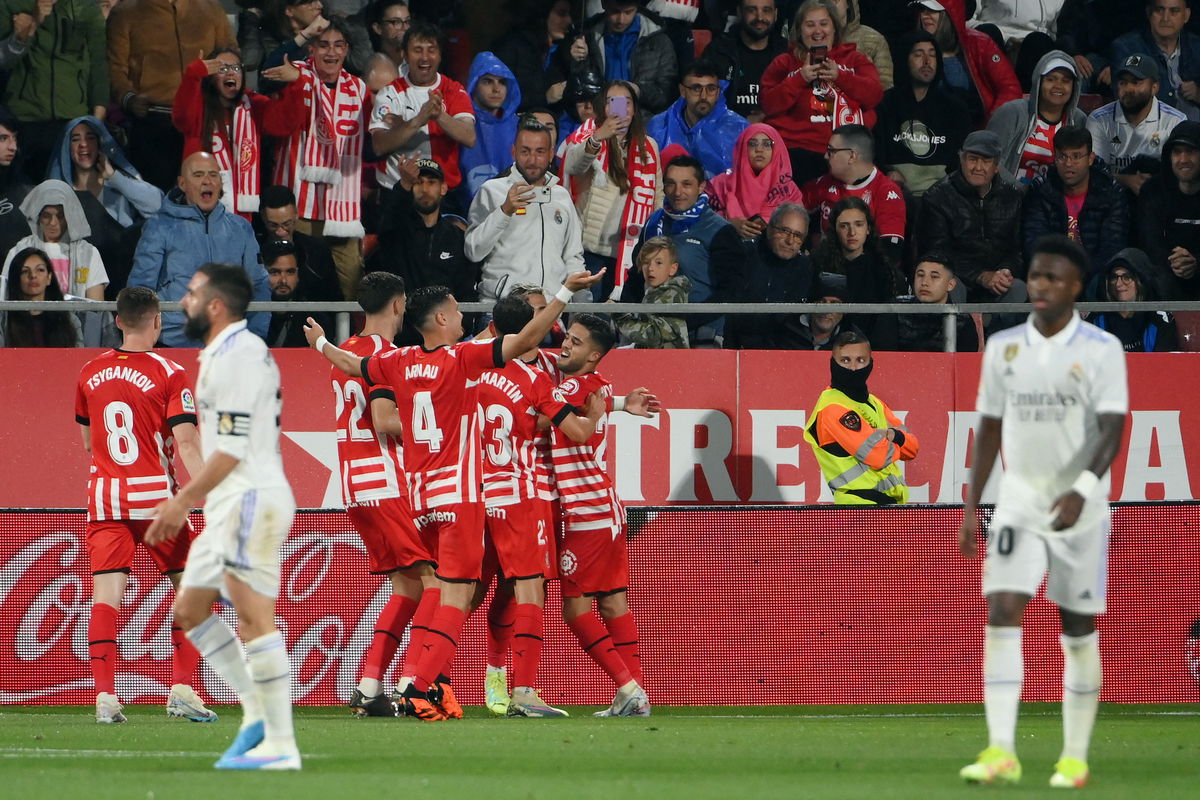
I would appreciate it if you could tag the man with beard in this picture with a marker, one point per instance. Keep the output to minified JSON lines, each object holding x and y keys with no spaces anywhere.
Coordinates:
{"x":855,"y":437}
{"x":742,"y":54}
{"x":287,"y":282}
{"x":699,"y":121}
{"x":278,"y":217}
{"x":1128,"y":133}
{"x":1168,"y":215}
{"x":919,"y":126}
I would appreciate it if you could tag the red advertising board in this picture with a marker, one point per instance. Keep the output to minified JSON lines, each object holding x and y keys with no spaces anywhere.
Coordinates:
{"x":730,"y":434}
{"x":769,"y":606}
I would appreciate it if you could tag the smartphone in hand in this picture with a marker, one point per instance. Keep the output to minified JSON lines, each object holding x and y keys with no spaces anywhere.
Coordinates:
{"x":618,"y":107}
{"x":818,"y":54}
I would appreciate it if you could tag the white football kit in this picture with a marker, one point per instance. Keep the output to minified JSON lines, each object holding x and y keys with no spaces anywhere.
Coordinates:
{"x":1048,"y":393}
{"x":248,"y":515}
{"x":1118,"y":143}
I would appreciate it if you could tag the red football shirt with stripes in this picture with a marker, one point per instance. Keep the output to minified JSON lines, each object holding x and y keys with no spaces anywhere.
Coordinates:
{"x":437,"y":395}
{"x":547,"y":361}
{"x":585,"y":491}
{"x":372,"y":463}
{"x":132,"y":401}
{"x":511,"y":399}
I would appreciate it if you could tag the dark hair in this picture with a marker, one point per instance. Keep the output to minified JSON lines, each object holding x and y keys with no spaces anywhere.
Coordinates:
{"x":531,"y":124}
{"x":275,"y":249}
{"x":828,"y":256}
{"x":523,"y":290}
{"x":511,"y":313}
{"x":935,"y":257}
{"x":277,"y":197}
{"x":56,"y":325}
{"x":425,"y":32}
{"x":9,"y":120}
{"x":424,"y":303}
{"x":686,"y":161}
{"x":1056,"y":244}
{"x":135,"y":304}
{"x":231,"y":284}
{"x":859,"y":138}
{"x":848,"y":337}
{"x":53,"y":290}
{"x":215,"y":112}
{"x":701,"y":68}
{"x":1070,"y":137}
{"x":635,"y":137}
{"x":377,"y":289}
{"x":601,"y":331}
{"x":376,"y":9}
{"x":337,"y":23}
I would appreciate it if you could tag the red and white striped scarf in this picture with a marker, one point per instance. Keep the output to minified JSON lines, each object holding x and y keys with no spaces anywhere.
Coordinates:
{"x":238,"y":160}
{"x":331,"y":150}
{"x":685,"y":10}
{"x":641,"y":168}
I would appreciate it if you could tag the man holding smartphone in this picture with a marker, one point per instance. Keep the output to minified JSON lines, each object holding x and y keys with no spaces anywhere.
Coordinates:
{"x":512,"y":212}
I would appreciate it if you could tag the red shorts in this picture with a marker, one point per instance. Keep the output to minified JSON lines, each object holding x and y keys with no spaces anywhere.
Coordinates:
{"x":111,"y":544}
{"x":392,"y":540}
{"x":458,"y":531}
{"x":521,"y":535}
{"x":592,"y":561}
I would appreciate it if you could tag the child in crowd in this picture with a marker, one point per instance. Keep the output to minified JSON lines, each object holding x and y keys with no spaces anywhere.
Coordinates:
{"x":658,"y":261}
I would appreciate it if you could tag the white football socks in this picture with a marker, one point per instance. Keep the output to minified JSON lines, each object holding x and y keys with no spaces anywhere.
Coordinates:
{"x":1003,"y":676}
{"x":1081,"y":691}
{"x":272,"y":680}
{"x":369,"y":686}
{"x":219,"y":646}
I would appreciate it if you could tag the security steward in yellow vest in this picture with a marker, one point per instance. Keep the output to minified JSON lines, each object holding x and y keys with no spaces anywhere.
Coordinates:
{"x":856,"y":438}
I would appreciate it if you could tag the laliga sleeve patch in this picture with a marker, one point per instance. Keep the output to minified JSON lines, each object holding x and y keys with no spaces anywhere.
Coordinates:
{"x":187,"y":401}
{"x":851,"y":420}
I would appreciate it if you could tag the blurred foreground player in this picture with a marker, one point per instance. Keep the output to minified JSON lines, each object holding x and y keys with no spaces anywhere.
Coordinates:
{"x":436,"y":392}
{"x":1053,"y":392}
{"x":375,"y":492}
{"x":247,"y":517}
{"x":134,"y":409}
{"x":594,"y":555}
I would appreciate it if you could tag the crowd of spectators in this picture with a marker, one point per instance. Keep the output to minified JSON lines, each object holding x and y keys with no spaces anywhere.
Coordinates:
{"x":695,"y":150}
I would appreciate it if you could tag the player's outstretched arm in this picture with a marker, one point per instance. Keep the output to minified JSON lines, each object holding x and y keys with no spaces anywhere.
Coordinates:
{"x":170,"y":515}
{"x":640,"y":402}
{"x":987,"y":447}
{"x":1067,"y":508}
{"x":343,"y":360}
{"x":537,"y":328}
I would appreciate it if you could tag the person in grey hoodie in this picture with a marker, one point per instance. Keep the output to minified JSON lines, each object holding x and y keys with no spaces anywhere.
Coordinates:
{"x":1026,"y":127}
{"x":523,"y":226}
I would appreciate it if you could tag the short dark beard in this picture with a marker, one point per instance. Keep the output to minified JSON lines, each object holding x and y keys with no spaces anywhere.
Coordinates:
{"x":197,"y":328}
{"x":424,"y":209}
{"x":1135,"y":110}
{"x":752,"y":34}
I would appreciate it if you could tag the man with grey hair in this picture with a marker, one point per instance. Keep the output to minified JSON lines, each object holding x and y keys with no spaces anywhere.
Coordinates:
{"x":852,"y":173}
{"x":777,"y":270}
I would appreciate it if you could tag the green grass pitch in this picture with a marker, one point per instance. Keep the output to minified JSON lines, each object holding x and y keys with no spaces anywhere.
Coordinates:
{"x":712,"y":752}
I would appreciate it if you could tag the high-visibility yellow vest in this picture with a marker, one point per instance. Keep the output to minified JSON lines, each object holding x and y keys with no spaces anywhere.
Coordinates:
{"x":846,"y":474}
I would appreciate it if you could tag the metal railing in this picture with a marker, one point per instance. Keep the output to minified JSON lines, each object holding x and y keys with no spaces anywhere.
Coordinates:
{"x":949,"y":311}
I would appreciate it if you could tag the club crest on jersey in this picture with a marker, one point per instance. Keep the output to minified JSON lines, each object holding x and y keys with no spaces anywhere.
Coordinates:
{"x":558,"y":217}
{"x":1076,"y":373}
{"x":567,"y":562}
{"x":187,"y":401}
{"x":1010,"y":352}
{"x":851,"y":420}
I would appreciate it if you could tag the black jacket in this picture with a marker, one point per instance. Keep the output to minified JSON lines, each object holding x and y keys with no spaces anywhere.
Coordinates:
{"x":770,"y":279}
{"x":1166,"y":218}
{"x":524,"y":52}
{"x":1143,"y":331}
{"x":1103,"y":220}
{"x":923,"y":333}
{"x":977,"y":234}
{"x":13,"y":225}
{"x":742,"y":67}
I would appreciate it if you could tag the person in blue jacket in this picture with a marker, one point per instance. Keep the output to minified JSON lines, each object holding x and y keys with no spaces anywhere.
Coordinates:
{"x":192,"y":229}
{"x":699,"y":121}
{"x":496,"y":96}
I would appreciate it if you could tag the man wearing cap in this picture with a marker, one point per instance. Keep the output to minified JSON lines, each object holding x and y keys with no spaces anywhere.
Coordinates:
{"x":973,"y":217}
{"x":1168,"y":216}
{"x":1176,"y":51}
{"x":973,"y":63}
{"x":1128,"y":133}
{"x":1026,"y":127}
{"x":417,"y":242}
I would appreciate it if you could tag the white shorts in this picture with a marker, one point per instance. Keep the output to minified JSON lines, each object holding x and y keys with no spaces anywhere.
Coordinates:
{"x":1019,"y":557}
{"x":242,"y":537}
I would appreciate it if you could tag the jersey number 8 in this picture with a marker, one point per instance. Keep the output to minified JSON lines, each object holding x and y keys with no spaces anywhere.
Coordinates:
{"x":122,"y":443}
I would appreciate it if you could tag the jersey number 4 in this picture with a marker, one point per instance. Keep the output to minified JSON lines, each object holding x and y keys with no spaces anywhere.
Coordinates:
{"x":424,"y":424}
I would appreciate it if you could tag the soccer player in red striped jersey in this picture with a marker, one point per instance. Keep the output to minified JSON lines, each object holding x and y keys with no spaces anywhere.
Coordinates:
{"x":436,"y":393}
{"x":135,"y":408}
{"x":375,"y":492}
{"x":593,"y":554}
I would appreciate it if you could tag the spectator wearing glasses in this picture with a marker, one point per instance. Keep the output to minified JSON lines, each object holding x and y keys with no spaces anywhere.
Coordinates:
{"x":278,"y":217}
{"x":699,"y":120}
{"x":391,"y":22}
{"x":760,"y":182}
{"x":1126,"y":279}
{"x":1078,"y":198}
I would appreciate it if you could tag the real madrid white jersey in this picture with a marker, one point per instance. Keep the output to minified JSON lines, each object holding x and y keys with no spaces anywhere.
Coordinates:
{"x":1118,"y":143}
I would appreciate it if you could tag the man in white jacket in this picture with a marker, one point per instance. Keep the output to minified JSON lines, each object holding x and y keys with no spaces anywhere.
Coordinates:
{"x":523,"y":225}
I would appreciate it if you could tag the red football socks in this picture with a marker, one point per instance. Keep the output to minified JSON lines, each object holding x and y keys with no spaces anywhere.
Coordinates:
{"x":595,"y":641}
{"x":389,"y":627}
{"x":438,"y":646}
{"x":501,"y":614}
{"x":625,"y":639}
{"x":184,"y":657}
{"x":526,"y":644}
{"x":102,"y":647}
{"x":430,"y":600}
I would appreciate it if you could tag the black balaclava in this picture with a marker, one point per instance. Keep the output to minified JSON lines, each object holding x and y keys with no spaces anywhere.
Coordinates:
{"x":850,"y":382}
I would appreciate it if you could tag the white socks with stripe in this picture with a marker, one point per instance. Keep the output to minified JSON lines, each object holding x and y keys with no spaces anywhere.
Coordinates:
{"x":273,"y":682}
{"x":219,"y":646}
{"x":1081,"y":691}
{"x":1003,"y":676}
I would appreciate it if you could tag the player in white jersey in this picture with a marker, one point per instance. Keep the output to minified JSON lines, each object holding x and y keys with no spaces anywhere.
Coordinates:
{"x":1053,"y":393}
{"x":248,"y":514}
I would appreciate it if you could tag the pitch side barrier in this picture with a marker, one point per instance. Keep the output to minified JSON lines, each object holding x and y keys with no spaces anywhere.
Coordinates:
{"x":343,"y":310}
{"x":774,"y":604}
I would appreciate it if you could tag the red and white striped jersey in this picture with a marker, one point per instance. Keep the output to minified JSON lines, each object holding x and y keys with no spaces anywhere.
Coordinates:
{"x":547,"y":361}
{"x":437,"y":395}
{"x":131,"y":402}
{"x":584,"y":488}
{"x":511,"y":399}
{"x":371,"y":463}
